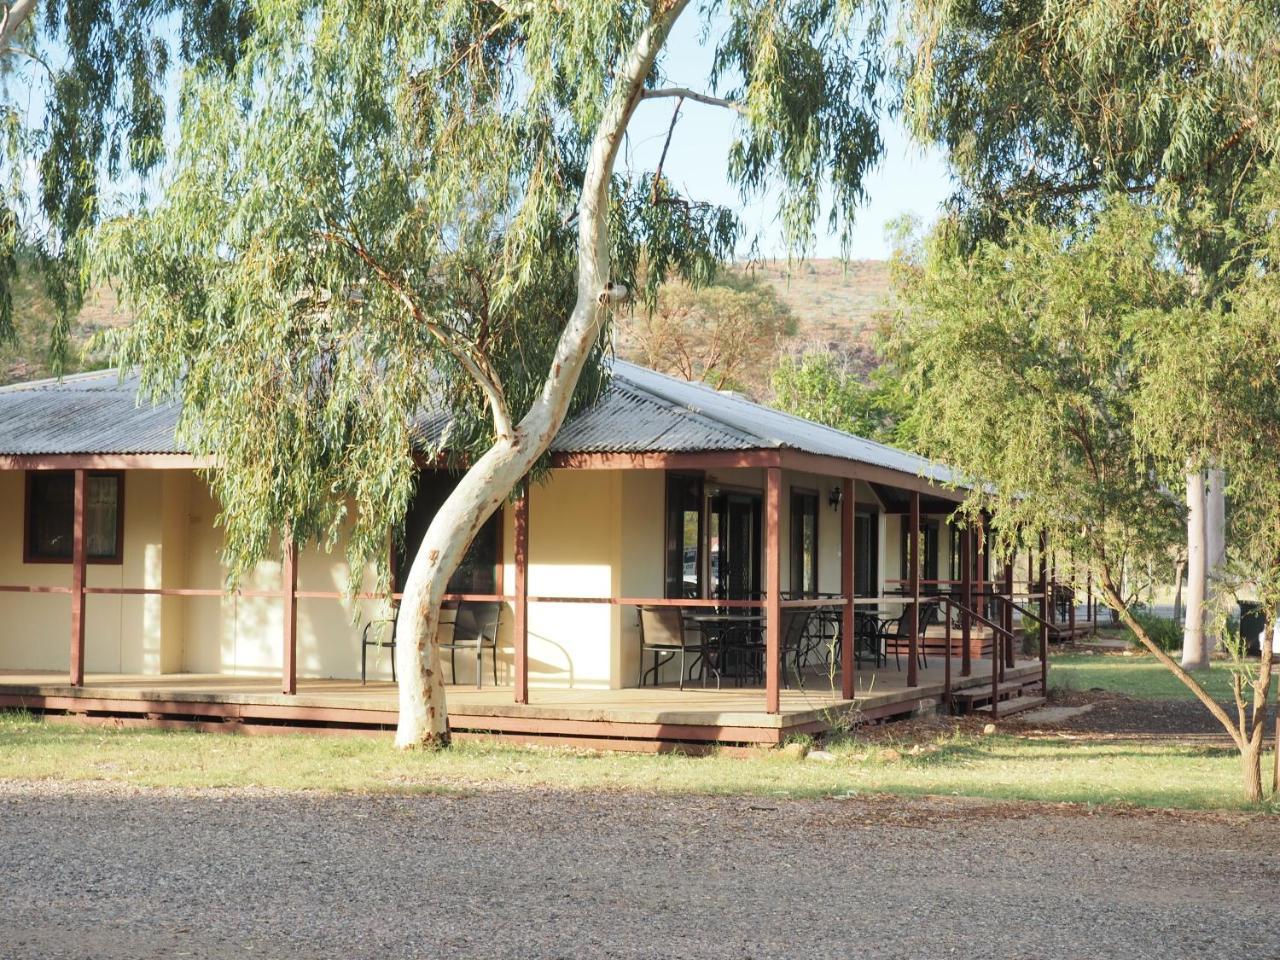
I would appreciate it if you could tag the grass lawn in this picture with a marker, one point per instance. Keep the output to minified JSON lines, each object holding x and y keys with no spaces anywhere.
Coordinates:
{"x":994,"y":767}
{"x":1140,"y":675}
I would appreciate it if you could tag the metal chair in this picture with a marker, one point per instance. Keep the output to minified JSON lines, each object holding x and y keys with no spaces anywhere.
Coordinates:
{"x":385,"y":638}
{"x":664,"y":633}
{"x":869,"y":639}
{"x":896,"y":630}
{"x":795,"y":639}
{"x":475,"y":627}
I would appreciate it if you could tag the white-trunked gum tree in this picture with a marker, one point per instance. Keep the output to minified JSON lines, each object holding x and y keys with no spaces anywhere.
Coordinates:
{"x":404,"y":207}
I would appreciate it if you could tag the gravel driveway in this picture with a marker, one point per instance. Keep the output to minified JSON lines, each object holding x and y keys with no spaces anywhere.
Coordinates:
{"x":105,"y":872}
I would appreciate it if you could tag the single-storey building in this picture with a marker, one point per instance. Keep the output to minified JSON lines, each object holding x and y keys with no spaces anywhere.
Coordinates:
{"x":664,"y":493}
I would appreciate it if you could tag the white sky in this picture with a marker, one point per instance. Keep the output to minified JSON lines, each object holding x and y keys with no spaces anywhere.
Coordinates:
{"x":908,"y":179}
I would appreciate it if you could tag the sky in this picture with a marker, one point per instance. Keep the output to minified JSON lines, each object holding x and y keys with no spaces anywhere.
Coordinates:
{"x":909,"y":179}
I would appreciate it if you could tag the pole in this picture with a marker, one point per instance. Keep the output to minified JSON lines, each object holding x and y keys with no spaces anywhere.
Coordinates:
{"x":773,"y":590}
{"x":913,"y":587}
{"x":848,"y":660}
{"x":966,"y":592}
{"x":521,"y":624}
{"x":289,"y":587}
{"x":78,"y":561}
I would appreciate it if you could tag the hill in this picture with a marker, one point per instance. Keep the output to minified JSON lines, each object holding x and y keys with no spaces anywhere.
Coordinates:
{"x":27,"y":358}
{"x":836,"y":305}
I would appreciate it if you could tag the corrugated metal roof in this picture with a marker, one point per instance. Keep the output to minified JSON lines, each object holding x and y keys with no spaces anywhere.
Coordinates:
{"x":773,"y":428}
{"x":87,"y":413}
{"x":641,"y":411}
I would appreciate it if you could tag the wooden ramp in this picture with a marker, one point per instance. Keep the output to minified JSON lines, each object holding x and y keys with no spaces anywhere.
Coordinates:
{"x":649,"y":718}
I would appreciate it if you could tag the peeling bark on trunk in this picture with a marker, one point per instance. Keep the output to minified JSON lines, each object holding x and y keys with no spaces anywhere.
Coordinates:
{"x":423,"y":713}
{"x":1194,"y":654}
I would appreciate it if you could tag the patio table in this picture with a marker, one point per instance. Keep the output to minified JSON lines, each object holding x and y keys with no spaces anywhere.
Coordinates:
{"x":730,"y":633}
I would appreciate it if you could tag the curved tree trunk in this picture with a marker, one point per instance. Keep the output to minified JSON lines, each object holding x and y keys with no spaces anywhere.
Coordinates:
{"x":12,"y":18}
{"x":423,"y":713}
{"x":1194,"y":655}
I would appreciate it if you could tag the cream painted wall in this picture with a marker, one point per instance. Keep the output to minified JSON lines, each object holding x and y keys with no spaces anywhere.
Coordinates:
{"x":891,"y":550}
{"x":36,"y":632}
{"x":592,"y":534}
{"x":641,"y":563}
{"x":122,"y":634}
{"x":574,"y":541}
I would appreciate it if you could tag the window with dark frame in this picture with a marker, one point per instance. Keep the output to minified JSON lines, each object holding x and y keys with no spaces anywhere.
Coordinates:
{"x":804,"y":543}
{"x":928,"y":552}
{"x":683,"y":541}
{"x":50,"y":517}
{"x":478,"y":572}
{"x":866,"y":570}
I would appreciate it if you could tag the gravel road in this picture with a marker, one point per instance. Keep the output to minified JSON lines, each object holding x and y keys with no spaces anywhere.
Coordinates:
{"x":107,"y":872}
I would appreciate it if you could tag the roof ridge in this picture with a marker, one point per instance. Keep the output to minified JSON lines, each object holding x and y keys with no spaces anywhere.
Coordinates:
{"x":56,"y":381}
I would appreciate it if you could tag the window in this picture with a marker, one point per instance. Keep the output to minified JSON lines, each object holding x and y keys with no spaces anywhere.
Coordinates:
{"x":928,"y":551}
{"x":50,"y":528}
{"x":866,"y":539}
{"x":683,"y":546}
{"x":478,"y":572}
{"x":804,"y":543}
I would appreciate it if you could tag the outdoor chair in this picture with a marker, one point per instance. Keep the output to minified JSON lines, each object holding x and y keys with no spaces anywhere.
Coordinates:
{"x":896,"y":630}
{"x":665,"y":633}
{"x":384,"y":638}
{"x":796,"y":641}
{"x":869,"y":640}
{"x":475,"y":628}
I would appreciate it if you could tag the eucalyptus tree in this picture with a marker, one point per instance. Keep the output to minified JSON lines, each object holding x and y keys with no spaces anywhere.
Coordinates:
{"x":1063,"y":375}
{"x":1047,"y":106}
{"x":83,"y":114}
{"x":413,"y":213}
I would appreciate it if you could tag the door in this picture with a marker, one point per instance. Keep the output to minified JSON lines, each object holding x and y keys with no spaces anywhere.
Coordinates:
{"x":866,"y":540}
{"x":735,"y":546}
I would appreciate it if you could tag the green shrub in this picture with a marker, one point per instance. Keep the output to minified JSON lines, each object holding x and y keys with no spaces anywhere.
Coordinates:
{"x":1164,"y":633}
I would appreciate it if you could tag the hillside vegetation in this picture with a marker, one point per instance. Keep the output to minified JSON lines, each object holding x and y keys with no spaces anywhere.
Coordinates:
{"x":27,"y":356}
{"x":833,"y":306}
{"x":734,"y":333}
{"x":837,"y":306}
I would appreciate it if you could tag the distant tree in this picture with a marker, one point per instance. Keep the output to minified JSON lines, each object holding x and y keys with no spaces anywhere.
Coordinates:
{"x":822,"y":386}
{"x":725,"y":334}
{"x":398,"y":207}
{"x":1067,"y":376}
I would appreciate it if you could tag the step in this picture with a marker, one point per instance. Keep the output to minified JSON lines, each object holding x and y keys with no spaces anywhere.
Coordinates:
{"x":1016,"y":705}
{"x":1009,"y":687}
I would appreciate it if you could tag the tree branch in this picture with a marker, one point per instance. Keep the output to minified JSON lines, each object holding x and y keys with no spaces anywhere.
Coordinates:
{"x":657,"y":173}
{"x":686,"y":94}
{"x":1112,"y":597}
{"x":486,"y":380}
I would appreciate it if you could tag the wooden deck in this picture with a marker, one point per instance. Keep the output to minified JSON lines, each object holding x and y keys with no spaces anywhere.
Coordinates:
{"x":647,"y":718}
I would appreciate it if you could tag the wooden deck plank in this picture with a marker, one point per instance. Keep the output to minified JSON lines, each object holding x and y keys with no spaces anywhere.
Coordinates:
{"x":663,"y":713}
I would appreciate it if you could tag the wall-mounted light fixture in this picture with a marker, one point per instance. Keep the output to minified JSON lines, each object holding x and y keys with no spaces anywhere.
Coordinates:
{"x":835,"y":497}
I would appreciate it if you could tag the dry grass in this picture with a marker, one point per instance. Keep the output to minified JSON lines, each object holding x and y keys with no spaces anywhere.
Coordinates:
{"x":837,"y":306}
{"x":938,"y":761}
